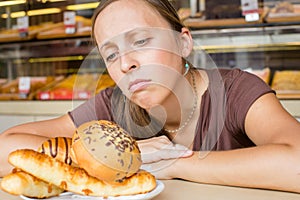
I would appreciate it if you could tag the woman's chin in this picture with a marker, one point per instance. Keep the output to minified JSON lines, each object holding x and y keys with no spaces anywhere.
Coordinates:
{"x":149,"y":97}
{"x":143,"y":99}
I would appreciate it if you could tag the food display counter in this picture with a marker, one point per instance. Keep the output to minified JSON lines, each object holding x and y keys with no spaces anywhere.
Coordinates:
{"x":275,"y":47}
{"x":180,"y":190}
{"x":59,"y":57}
{"x":17,"y":112}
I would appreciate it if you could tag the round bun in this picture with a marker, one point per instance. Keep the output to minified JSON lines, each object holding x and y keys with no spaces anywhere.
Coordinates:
{"x":106,"y":151}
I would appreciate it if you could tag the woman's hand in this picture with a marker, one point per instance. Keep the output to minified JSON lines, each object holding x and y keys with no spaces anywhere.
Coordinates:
{"x":159,"y":155}
{"x":164,"y":169}
{"x":161,"y":148}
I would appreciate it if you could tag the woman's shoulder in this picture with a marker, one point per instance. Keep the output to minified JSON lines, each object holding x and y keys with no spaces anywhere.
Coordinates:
{"x":225,"y":73}
{"x":230,"y":76}
{"x":236,"y":84}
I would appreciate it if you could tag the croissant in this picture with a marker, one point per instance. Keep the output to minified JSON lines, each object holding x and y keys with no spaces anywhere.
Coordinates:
{"x":77,"y":180}
{"x":22,"y":183}
{"x":50,"y":170}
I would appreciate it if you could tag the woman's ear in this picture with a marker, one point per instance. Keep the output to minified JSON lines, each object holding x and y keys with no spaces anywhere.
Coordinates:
{"x":186,"y":42}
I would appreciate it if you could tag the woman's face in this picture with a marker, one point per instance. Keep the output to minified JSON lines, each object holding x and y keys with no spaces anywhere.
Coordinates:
{"x":140,"y":51}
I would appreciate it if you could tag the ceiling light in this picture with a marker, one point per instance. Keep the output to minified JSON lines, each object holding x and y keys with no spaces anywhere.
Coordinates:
{"x":45,"y":1}
{"x":43,"y":11}
{"x":10,"y":3}
{"x":14,"y":14}
{"x":83,"y":6}
{"x":56,"y":0}
{"x":56,"y":59}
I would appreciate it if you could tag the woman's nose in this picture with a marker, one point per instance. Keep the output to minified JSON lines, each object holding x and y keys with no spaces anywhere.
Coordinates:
{"x":128,"y":63}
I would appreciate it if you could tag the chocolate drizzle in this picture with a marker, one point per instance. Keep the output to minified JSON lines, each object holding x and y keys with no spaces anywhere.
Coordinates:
{"x":53,"y":146}
{"x":54,"y":150}
{"x":88,"y":140}
{"x":68,"y":159}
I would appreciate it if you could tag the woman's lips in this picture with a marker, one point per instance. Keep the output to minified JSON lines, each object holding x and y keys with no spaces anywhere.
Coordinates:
{"x":138,"y":84}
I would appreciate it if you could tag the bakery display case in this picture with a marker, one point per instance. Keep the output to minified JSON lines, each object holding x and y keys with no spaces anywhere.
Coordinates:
{"x":51,"y":68}
{"x":267,"y":45}
{"x":41,"y":68}
{"x":270,"y":51}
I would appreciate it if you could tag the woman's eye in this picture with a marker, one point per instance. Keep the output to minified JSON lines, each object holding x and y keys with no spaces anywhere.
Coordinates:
{"x":111,"y":57}
{"x":141,"y":42}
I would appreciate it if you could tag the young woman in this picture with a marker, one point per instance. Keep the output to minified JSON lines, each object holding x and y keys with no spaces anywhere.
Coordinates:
{"x":215,"y":126}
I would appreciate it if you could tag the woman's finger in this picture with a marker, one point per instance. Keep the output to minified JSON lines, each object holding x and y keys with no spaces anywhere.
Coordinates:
{"x":166,"y":153}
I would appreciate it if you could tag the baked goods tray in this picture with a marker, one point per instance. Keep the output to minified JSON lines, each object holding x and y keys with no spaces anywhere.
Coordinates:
{"x":294,"y":16}
{"x":288,"y":94}
{"x":13,"y":35}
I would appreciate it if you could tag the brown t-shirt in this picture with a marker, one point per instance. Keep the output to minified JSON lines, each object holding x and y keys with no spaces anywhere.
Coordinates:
{"x":224,"y":107}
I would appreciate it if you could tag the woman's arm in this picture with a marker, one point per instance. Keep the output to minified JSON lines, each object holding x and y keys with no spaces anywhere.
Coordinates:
{"x":269,"y":166}
{"x":273,"y":164}
{"x":32,"y":135}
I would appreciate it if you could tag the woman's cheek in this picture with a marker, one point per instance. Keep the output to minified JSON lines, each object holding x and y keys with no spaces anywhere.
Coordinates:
{"x":114,"y":74}
{"x":167,"y":58}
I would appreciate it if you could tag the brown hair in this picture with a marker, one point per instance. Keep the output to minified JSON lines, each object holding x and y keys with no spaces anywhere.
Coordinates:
{"x":128,"y":115}
{"x":163,"y":7}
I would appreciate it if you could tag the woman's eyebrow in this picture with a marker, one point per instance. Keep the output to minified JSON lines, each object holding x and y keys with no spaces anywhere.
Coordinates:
{"x":108,"y":43}
{"x":126,"y":35}
{"x":136,"y":32}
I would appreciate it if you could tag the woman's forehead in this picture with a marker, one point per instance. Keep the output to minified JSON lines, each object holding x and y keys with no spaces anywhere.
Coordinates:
{"x":125,"y":15}
{"x":139,"y":34}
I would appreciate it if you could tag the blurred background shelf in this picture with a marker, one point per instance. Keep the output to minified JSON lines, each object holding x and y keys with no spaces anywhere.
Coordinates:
{"x":221,"y":35}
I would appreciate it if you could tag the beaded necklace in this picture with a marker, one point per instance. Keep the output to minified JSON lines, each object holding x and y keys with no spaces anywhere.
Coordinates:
{"x":193,"y":109}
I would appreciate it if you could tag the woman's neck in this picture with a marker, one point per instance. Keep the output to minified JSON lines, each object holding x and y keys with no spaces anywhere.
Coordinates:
{"x":180,"y":106}
{"x":186,"y":136}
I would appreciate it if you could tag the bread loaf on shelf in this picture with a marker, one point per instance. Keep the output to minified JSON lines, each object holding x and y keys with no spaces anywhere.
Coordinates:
{"x":77,"y":86}
{"x":287,"y":80}
{"x":10,"y":90}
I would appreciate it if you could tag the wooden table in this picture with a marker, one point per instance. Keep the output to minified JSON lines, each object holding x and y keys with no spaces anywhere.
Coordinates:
{"x":177,"y":189}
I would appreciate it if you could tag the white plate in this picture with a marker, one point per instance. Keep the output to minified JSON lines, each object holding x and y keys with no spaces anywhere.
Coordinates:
{"x":71,"y":196}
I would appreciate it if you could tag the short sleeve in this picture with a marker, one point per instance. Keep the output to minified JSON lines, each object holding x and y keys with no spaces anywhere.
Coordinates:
{"x":96,"y":108}
{"x":242,"y":91}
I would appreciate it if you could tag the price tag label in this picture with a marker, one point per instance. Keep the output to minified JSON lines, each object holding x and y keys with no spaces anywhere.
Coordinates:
{"x":44,"y":95}
{"x":83,"y":95}
{"x":23,"y":24}
{"x":70,"y":22}
{"x":250,"y":10}
{"x":24,"y":85}
{"x":252,"y":17}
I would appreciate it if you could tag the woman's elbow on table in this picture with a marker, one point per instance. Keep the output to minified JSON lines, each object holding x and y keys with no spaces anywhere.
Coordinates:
{"x":31,"y":136}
